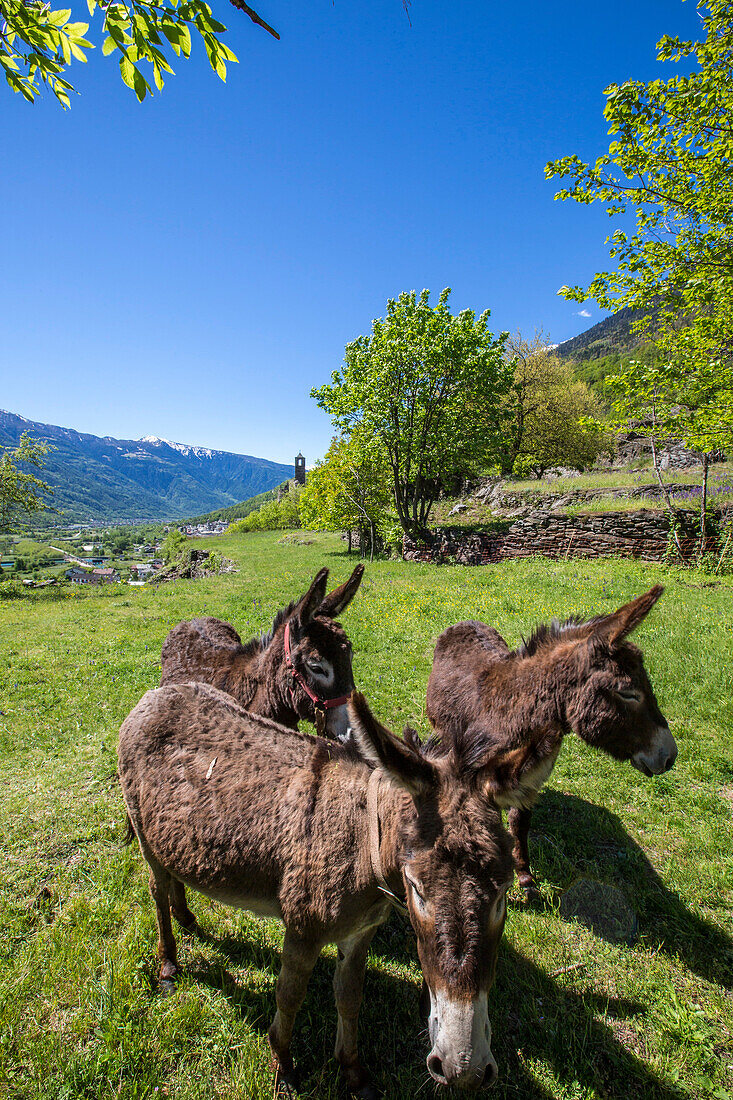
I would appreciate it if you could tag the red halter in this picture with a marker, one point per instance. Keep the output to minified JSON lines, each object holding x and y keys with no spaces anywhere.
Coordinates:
{"x":318,"y":701}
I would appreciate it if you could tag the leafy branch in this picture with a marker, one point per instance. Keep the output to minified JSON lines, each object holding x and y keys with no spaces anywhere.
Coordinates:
{"x":38,"y":44}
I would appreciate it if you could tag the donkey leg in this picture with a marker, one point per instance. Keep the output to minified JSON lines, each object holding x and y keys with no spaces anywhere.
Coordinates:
{"x":298,"y":959}
{"x":348,"y":987}
{"x":160,"y":882}
{"x":518,"y":821}
{"x":179,"y":905}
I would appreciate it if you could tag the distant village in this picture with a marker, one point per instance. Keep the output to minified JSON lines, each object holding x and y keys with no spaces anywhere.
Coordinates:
{"x":93,"y":571}
{"x":62,"y":555}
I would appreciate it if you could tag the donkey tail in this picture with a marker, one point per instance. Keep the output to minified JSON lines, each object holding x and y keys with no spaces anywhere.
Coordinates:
{"x":129,"y":832}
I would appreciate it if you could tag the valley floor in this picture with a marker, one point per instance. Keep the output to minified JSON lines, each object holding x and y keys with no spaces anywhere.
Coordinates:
{"x":574,"y":1017}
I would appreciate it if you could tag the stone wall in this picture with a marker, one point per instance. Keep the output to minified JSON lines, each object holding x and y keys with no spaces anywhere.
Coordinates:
{"x":641,"y":534}
{"x":492,"y":493}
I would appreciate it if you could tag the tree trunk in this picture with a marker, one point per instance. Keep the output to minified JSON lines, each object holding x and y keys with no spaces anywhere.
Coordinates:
{"x":348,"y":534}
{"x":704,"y":504}
{"x":670,"y":507}
{"x":371,"y":541}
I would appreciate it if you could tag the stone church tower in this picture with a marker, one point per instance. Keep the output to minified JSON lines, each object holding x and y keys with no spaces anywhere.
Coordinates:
{"x":299,"y":469}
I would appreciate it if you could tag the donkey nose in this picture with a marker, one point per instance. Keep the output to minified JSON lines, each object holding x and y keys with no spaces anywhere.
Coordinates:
{"x":435,"y":1065}
{"x":490,"y":1076}
{"x":671,"y":757}
{"x":463,"y":1077}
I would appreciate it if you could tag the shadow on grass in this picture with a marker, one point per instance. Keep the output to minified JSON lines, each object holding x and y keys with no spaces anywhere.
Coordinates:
{"x":534,"y":1019}
{"x":571,"y":837}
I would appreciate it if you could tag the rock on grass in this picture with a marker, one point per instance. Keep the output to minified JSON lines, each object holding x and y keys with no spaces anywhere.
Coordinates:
{"x":602,"y":908}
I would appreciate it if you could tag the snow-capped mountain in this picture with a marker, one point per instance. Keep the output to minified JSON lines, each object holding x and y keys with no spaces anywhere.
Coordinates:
{"x":129,"y":480}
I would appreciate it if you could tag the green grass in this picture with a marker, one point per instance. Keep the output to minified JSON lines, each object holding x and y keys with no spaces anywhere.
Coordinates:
{"x":574,"y":1017}
{"x":618,"y":479}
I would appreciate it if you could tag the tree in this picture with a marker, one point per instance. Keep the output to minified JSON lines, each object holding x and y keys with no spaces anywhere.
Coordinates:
{"x":273,"y":515}
{"x":424,"y":384}
{"x":173,"y":546}
{"x":670,"y":164}
{"x":350,"y":489}
{"x":38,"y":43}
{"x":22,"y":493}
{"x":549,"y":417}
{"x":689,"y":398}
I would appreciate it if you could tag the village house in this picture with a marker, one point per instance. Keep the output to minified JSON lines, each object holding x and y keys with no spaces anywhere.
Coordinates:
{"x":92,"y":576}
{"x":142,"y":571}
{"x":202,"y":530}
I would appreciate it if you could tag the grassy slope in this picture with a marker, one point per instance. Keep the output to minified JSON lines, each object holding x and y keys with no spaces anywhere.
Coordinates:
{"x":533,"y":490}
{"x":573,"y":1016}
{"x":236,"y":511}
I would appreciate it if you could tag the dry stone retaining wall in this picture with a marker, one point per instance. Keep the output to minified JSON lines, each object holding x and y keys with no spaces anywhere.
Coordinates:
{"x":643,"y":534}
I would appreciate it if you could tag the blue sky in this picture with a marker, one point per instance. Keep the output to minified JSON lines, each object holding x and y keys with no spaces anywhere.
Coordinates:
{"x":191,"y":266}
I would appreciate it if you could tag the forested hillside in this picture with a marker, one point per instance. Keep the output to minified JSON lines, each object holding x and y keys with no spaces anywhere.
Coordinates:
{"x":133,"y":480}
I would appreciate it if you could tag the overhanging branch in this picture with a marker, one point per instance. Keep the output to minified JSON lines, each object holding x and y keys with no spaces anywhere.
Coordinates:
{"x":255,"y":17}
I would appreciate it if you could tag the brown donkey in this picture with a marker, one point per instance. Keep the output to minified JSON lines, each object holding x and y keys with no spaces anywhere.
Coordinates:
{"x":301,"y":669}
{"x":517,"y":705}
{"x":296,"y":827}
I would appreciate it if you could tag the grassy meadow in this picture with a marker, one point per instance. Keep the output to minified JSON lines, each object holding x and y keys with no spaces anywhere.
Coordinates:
{"x":574,"y":1017}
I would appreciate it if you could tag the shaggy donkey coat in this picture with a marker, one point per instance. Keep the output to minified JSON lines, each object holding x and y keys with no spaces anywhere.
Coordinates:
{"x":515,"y":706}
{"x":279,"y":822}
{"x":258,"y":674}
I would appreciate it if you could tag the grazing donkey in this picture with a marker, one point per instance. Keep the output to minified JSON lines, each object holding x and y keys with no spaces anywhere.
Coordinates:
{"x":519,"y":704}
{"x":293,"y":826}
{"x":301,"y":669}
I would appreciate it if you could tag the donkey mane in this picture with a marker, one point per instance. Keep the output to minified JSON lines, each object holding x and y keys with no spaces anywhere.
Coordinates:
{"x":335,"y":749}
{"x":259,"y":643}
{"x":467,"y":749}
{"x":545,"y":636}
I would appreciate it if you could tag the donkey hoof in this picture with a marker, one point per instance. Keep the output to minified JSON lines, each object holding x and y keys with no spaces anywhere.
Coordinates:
{"x":287,"y":1077}
{"x":186,"y":920}
{"x":531,"y":895}
{"x":369,"y":1091}
{"x":359,"y":1083}
{"x":166,"y":981}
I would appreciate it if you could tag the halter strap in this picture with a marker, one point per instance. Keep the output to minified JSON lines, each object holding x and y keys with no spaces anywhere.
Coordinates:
{"x":318,"y":701}
{"x":374,"y":855}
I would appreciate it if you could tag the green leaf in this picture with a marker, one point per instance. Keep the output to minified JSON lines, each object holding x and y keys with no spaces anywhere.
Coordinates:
{"x":109,"y":45}
{"x":127,"y":72}
{"x":140,"y":85}
{"x":58,"y":18}
{"x":77,"y":52}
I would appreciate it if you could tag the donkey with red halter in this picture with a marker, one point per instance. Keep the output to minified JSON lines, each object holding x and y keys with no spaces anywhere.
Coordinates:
{"x":292,"y":826}
{"x":300,"y":670}
{"x":519,"y":704}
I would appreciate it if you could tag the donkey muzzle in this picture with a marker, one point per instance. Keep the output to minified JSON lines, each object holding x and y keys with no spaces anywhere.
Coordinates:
{"x":461,"y":1035}
{"x":659,"y":757}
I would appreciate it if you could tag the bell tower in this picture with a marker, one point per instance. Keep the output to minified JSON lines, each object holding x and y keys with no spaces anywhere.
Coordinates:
{"x":300,"y":469}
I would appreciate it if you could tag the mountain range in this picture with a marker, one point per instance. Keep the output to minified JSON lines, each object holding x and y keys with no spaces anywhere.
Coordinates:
{"x":612,"y":334}
{"x":139,"y":480}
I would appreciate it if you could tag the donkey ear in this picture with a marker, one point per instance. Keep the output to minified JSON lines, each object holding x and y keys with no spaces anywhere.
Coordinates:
{"x":614,"y":627}
{"x":338,"y":600}
{"x":308,"y":605}
{"x":402,"y":762}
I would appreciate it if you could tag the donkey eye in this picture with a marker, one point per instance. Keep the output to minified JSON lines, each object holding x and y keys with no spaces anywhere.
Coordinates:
{"x":318,"y":669}
{"x":417,"y":896}
{"x":630,"y":696}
